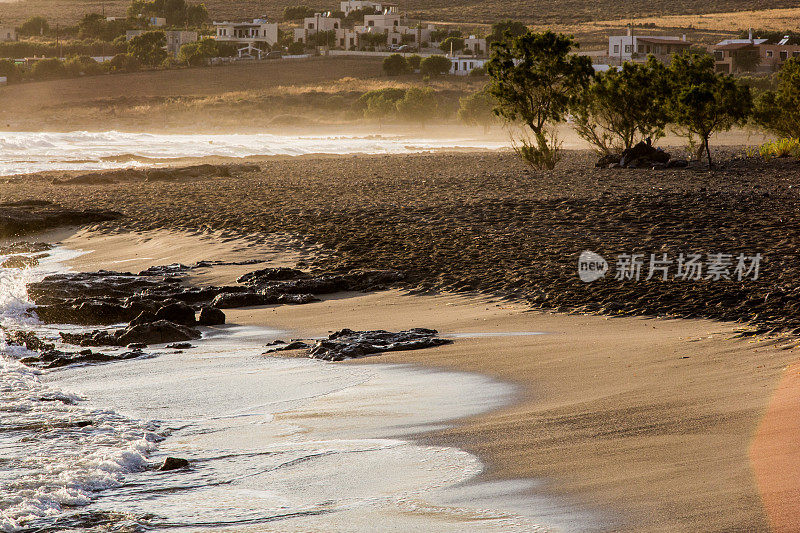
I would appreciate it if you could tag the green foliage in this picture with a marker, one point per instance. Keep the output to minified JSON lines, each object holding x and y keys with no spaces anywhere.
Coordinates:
{"x":124,"y":63}
{"x":379,"y":103}
{"x":10,"y":70}
{"x":356,"y":17}
{"x":177,"y":12}
{"x":297,"y":12}
{"x":514,"y":28}
{"x":323,"y":38}
{"x":30,"y":48}
{"x":82,"y":66}
{"x":371,"y":39}
{"x":297,"y":49}
{"x":779,"y":111}
{"x":419,"y":105}
{"x":439,"y":35}
{"x":536,"y":79}
{"x":95,"y":26}
{"x":198,"y":53}
{"x":704,"y":101}
{"x":435,"y":66}
{"x":477,"y":109}
{"x":477,"y":72}
{"x":46,"y":69}
{"x":745,"y":60}
{"x":780,"y":148}
{"x":622,"y":107}
{"x":35,"y":26}
{"x":395,"y":65}
{"x":148,"y":48}
{"x":457,"y":44}
{"x":414,"y":62}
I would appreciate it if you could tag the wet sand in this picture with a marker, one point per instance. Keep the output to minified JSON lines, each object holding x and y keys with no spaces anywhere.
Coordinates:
{"x":647,"y":422}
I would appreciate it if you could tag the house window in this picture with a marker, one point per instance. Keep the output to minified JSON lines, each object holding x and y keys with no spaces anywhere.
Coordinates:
{"x":784,"y":55}
{"x":335,"y":25}
{"x":719,"y":55}
{"x":795,"y":54}
{"x":310,"y":25}
{"x":396,"y":22}
{"x":769,"y":53}
{"x":628,"y":48}
{"x":616,"y":48}
{"x":371,"y":23}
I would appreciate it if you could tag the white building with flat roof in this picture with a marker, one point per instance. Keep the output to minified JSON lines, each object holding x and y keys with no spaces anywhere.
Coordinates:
{"x":631,"y":46}
{"x":349,"y":6}
{"x":250,"y":35}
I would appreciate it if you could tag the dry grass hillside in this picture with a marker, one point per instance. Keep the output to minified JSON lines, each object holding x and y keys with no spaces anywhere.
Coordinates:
{"x":531,"y":11}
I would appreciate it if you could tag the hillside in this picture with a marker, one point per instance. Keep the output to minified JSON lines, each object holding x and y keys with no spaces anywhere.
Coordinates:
{"x":532,"y":11}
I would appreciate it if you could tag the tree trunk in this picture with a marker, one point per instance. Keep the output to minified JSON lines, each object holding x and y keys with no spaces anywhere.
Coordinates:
{"x":708,"y":152}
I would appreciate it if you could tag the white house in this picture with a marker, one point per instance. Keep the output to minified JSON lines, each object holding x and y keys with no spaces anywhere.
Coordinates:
{"x":476,"y":46}
{"x":349,"y":6}
{"x":319,"y":22}
{"x":395,"y":28}
{"x":630,"y":46}
{"x":175,"y":39}
{"x":8,"y":33}
{"x":463,"y":65}
{"x":248,"y":34}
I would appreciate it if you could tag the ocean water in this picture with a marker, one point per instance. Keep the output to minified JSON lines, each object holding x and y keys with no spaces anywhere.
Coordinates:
{"x":24,"y":152}
{"x":275,"y":444}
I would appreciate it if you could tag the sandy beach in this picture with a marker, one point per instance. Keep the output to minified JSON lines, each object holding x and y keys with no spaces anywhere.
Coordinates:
{"x":647,"y":422}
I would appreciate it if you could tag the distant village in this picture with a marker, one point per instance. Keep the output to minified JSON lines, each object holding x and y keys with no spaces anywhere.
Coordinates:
{"x":370,"y":28}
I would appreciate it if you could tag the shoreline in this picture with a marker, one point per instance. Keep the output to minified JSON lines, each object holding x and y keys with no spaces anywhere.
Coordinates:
{"x":646,"y":420}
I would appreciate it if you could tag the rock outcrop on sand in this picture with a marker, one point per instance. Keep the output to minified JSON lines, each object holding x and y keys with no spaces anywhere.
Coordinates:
{"x":28,"y":216}
{"x":349,"y":344}
{"x":107,"y":177}
{"x":641,"y":155}
{"x":158,"y":332}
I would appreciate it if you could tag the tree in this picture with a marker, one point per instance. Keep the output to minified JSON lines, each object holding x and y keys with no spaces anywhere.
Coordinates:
{"x":477,"y":109}
{"x":536,"y":79}
{"x":452,"y":43}
{"x":366,"y":40}
{"x":380,"y":107}
{"x":420,"y":104}
{"x":296,"y":49}
{"x":514,"y":28}
{"x":297,"y":12}
{"x":622,"y":107}
{"x":395,"y":64}
{"x":198,"y":53}
{"x":10,"y":70}
{"x":124,"y":63}
{"x":149,"y":48}
{"x":196,"y":15}
{"x":779,"y":111}
{"x":435,"y":66}
{"x":704,"y":101}
{"x":177,"y":12}
{"x":745,"y":60}
{"x":35,"y":26}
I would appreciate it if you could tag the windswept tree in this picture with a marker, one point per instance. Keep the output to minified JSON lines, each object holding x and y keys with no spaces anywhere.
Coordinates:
{"x":501,"y":29}
{"x":477,"y":109}
{"x":149,"y":48}
{"x":536,"y":79}
{"x":622,"y":107}
{"x":419,"y":105}
{"x":779,"y":111}
{"x":435,"y":66}
{"x":35,"y":26}
{"x":454,"y":44}
{"x":704,"y":101}
{"x":198,"y":53}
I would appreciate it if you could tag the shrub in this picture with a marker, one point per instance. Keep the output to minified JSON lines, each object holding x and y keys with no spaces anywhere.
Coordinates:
{"x":82,"y":66}
{"x":780,"y":148}
{"x":435,"y":66}
{"x":10,"y":70}
{"x":477,"y":109}
{"x":296,"y":49}
{"x":413,"y":62}
{"x":419,"y":104}
{"x":35,"y":26}
{"x":198,"y":53}
{"x":395,"y":65}
{"x":297,"y":12}
{"x":536,"y":79}
{"x":391,"y":94}
{"x":46,"y":69}
{"x":124,"y":63}
{"x":457,"y":44}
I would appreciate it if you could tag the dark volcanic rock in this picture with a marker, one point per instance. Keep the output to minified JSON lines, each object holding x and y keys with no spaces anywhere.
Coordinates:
{"x":250,"y":299}
{"x":173,"y":463}
{"x":85,"y":313}
{"x":30,"y":216}
{"x":160,"y":332}
{"x":211,"y":316}
{"x":271,"y":274}
{"x":179,"y":313}
{"x":283,"y":347}
{"x":643,"y":155}
{"x":59,"y":359}
{"x":348,"y":344}
{"x":24,"y":247}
